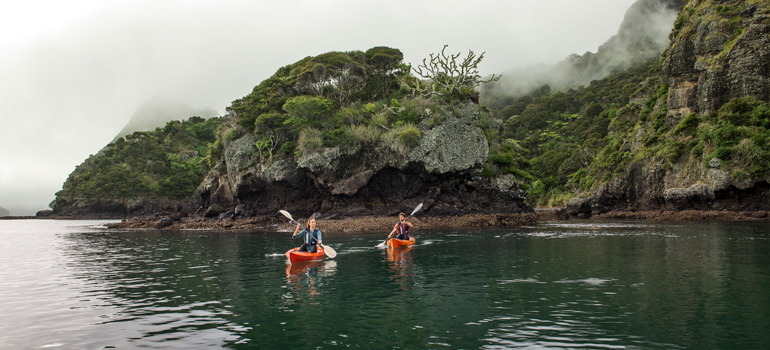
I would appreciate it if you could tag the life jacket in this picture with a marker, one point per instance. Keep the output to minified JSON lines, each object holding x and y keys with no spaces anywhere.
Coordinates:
{"x":403,"y":229}
{"x":311,"y":239}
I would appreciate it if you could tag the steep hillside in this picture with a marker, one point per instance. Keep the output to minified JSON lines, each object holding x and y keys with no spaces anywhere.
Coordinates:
{"x":697,"y":136}
{"x":559,"y":134}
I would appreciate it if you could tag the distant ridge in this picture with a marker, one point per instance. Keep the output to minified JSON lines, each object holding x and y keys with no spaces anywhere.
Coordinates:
{"x":159,"y":110}
{"x":642,"y":36}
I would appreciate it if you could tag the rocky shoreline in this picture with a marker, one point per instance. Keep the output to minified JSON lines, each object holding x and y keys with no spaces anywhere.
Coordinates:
{"x":685,"y":215}
{"x":384,"y":223}
{"x":338,"y":225}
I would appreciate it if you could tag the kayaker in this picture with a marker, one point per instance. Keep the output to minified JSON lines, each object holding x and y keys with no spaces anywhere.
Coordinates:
{"x":402,"y":228}
{"x":312,"y":236}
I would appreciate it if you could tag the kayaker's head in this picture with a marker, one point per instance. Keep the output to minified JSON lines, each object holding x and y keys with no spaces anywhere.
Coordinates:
{"x":311,"y":223}
{"x":401,"y":216}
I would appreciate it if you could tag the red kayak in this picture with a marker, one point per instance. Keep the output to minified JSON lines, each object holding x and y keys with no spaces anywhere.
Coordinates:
{"x":296,"y":256}
{"x":400,"y":243}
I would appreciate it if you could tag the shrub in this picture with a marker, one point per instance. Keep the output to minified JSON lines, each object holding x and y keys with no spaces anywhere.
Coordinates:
{"x":738,"y":110}
{"x":697,"y":150}
{"x":402,"y":138}
{"x":757,"y":170}
{"x":688,"y":124}
{"x":722,"y":152}
{"x":307,"y":111}
{"x":502,"y":158}
{"x":408,"y":135}
{"x":363,"y":134}
{"x":310,"y":140}
{"x":370,"y":108}
{"x":518,"y":173}
{"x":747,"y":153}
{"x":487,"y":172}
{"x":233,"y":134}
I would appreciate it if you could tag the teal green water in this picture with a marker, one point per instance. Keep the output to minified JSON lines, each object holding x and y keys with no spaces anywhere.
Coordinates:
{"x":560,"y":285}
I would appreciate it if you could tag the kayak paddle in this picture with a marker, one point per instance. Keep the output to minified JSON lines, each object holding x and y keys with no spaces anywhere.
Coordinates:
{"x":329,"y":251}
{"x":417,"y":208}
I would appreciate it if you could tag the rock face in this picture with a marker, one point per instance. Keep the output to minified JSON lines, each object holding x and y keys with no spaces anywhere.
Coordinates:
{"x":4,"y":212}
{"x":720,"y":50}
{"x":442,"y":171}
{"x":719,"y":53}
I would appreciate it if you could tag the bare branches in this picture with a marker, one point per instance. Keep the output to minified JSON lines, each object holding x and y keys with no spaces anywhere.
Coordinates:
{"x":267,"y":145}
{"x":447,"y":76}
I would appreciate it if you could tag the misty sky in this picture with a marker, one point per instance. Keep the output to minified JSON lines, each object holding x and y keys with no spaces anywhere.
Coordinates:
{"x":73,"y":72}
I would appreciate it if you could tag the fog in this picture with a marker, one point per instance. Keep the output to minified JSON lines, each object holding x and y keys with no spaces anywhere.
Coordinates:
{"x":642,"y":36}
{"x":73,"y":73}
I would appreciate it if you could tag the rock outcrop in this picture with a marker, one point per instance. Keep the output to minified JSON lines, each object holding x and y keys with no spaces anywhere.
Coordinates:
{"x":720,"y":51}
{"x":442,"y":171}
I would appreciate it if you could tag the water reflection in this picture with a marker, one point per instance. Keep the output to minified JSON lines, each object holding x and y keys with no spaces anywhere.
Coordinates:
{"x":400,"y":258}
{"x":400,"y":262}
{"x":305,"y":279}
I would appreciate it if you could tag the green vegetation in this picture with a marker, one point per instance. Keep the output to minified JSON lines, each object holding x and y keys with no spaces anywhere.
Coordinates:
{"x":737,"y":135}
{"x":549,"y":139}
{"x":351,"y":99}
{"x":563,"y":143}
{"x":169,"y":162}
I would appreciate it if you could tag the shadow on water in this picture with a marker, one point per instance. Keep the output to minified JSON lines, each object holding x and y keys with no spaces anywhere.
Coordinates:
{"x":645,"y":285}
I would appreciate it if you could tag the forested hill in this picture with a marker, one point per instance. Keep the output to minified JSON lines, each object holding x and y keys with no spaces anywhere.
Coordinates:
{"x":142,"y":172}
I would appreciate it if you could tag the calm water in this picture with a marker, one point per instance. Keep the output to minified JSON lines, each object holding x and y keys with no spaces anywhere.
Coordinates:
{"x":584,"y":285}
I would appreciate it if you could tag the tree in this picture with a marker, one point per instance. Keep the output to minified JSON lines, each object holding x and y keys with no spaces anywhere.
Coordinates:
{"x":449,"y":77}
{"x":384,"y":67}
{"x":306,"y":111}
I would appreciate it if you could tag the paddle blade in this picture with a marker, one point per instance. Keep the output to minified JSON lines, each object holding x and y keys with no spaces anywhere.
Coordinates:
{"x":286,"y":214}
{"x":419,"y":206}
{"x":329,"y":251}
{"x":384,"y":244}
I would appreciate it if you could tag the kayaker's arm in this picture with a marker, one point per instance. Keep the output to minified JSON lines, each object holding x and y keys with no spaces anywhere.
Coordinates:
{"x":394,"y":231}
{"x":295,"y":231}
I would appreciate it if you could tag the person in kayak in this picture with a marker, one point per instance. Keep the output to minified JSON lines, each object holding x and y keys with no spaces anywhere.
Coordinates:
{"x":312,"y":236}
{"x":402,"y":228}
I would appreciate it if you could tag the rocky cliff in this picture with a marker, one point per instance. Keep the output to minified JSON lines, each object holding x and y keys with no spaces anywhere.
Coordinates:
{"x":442,"y":171}
{"x":720,"y":51}
{"x":698,"y":130}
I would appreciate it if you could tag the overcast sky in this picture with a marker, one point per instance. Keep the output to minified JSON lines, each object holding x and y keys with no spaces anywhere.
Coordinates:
{"x":73,"y":72}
